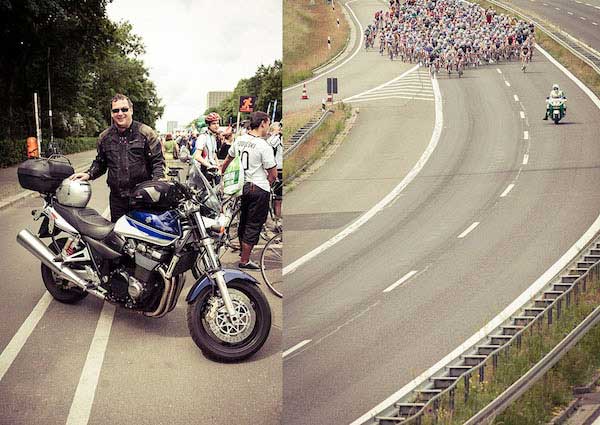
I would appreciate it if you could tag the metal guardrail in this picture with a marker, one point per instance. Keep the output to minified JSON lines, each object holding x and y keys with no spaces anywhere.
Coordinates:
{"x":303,"y":134}
{"x":427,"y":400}
{"x":576,"y":47}
{"x":534,"y":374}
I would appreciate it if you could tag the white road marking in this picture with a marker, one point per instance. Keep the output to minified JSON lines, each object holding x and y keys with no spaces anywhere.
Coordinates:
{"x":20,"y":338}
{"x":81,"y":407}
{"x":358,"y":49}
{"x":295,"y":347}
{"x":404,"y":74}
{"x":507,"y":83}
{"x":468,"y":230}
{"x":525,"y":159}
{"x":499,"y":71}
{"x":367,"y":99}
{"x":570,"y":13}
{"x":516,"y":98}
{"x":507,"y":190}
{"x":516,"y":305}
{"x":401,"y":281}
{"x":435,"y":137}
{"x":597,"y":7}
{"x":557,"y":8}
{"x":545,"y":4}
{"x":526,"y":135}
{"x":583,"y":18}
{"x":594,"y":23}
{"x":522,"y":114}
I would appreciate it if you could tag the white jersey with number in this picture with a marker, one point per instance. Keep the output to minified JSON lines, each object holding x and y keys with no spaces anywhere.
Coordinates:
{"x":256,"y":157}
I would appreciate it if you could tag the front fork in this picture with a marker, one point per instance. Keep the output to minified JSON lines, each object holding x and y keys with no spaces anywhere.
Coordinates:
{"x":214,"y":269}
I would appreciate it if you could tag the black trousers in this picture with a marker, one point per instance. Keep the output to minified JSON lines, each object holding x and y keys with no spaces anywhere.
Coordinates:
{"x":119,"y":206}
{"x":253,"y":213}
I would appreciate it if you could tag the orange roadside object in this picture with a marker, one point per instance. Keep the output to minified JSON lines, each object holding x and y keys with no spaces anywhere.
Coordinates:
{"x":32,"y":148}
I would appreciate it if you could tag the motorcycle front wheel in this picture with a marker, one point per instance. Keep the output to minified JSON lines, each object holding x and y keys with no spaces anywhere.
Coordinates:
{"x":213,"y":332}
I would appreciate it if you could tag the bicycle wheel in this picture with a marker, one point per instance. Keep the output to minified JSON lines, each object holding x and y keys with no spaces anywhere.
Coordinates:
{"x":270,"y":264}
{"x":232,"y":241}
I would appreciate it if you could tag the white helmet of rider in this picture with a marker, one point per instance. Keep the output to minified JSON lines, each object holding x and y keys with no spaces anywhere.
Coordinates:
{"x":74,"y":193}
{"x":555,"y":87}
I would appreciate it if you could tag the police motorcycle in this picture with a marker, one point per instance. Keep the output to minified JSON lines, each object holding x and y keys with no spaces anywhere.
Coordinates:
{"x":139,"y":262}
{"x":556,"y":108}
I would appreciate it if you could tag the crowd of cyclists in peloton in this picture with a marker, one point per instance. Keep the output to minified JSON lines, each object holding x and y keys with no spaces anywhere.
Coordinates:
{"x":449,"y":35}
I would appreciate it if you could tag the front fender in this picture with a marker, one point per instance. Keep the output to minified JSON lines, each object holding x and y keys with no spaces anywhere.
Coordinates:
{"x":204,"y":281}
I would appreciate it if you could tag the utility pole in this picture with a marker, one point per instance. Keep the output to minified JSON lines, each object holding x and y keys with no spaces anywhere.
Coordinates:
{"x":51,"y":148}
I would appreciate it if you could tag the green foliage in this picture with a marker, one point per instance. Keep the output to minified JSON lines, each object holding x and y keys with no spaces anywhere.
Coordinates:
{"x":88,"y":57}
{"x":13,"y":152}
{"x":265,"y":84}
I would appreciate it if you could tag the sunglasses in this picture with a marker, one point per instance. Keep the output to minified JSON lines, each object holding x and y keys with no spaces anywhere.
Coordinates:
{"x":116,"y":110}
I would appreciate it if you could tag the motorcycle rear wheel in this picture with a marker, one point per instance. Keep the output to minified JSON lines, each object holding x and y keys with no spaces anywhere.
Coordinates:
{"x":216,"y":337}
{"x":58,"y":287}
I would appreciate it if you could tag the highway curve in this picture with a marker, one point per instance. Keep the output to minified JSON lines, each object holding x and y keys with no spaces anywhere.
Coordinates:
{"x":502,"y":197}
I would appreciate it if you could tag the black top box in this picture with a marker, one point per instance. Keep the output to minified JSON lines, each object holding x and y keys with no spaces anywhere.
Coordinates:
{"x":42,"y":174}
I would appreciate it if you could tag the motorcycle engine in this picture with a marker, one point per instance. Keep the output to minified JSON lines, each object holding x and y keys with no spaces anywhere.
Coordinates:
{"x":137,"y":285}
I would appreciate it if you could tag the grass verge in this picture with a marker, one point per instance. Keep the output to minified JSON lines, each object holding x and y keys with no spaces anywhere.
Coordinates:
{"x":578,"y":67}
{"x":551,"y":393}
{"x":311,"y":149}
{"x":306,"y":28}
{"x":294,"y":120}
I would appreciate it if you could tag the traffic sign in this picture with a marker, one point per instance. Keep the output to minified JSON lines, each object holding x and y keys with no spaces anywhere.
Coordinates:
{"x":247,"y":103}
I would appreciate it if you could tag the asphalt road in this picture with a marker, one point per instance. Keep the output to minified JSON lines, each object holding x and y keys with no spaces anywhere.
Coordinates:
{"x":152,"y":372}
{"x":580,"y":18}
{"x":361,"y":344}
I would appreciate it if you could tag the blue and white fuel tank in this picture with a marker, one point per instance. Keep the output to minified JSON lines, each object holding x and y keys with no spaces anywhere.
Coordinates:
{"x":160,"y":229}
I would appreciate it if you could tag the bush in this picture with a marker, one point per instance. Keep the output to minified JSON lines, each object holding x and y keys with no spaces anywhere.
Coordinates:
{"x":13,"y":152}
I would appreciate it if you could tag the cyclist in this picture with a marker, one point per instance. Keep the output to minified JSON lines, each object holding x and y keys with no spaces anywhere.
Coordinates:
{"x":205,"y":151}
{"x":525,"y":56}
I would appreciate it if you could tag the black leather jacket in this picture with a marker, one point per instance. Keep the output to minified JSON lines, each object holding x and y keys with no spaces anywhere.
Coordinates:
{"x":130,"y":158}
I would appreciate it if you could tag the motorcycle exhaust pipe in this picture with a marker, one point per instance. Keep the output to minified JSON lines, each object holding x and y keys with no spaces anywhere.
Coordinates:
{"x":34,"y":245}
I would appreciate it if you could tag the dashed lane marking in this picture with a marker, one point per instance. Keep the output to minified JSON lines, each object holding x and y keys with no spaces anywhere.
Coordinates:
{"x":295,"y":347}
{"x":401,"y":281}
{"x":526,"y":135}
{"x":522,"y":114}
{"x":516,"y":98}
{"x":468,"y":230}
{"x":525,"y":159}
{"x":507,"y":190}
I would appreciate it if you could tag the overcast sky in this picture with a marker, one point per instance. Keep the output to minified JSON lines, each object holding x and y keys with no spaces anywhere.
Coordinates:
{"x":197,"y":46}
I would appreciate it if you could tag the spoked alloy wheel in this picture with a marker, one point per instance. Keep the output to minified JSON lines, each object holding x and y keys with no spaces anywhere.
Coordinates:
{"x":270,"y":264}
{"x":221,"y":339}
{"x":60,"y":289}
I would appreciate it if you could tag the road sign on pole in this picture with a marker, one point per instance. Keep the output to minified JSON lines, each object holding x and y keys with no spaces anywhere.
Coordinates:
{"x":332,"y":86}
{"x":247,"y":103}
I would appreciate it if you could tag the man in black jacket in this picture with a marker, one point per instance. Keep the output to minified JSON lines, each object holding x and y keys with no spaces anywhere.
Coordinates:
{"x":130,"y":151}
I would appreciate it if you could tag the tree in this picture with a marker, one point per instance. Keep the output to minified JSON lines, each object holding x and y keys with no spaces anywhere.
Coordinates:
{"x":88,"y":57}
{"x":265,"y":84}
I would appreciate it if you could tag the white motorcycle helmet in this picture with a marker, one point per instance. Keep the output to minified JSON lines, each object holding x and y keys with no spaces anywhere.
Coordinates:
{"x":74,"y":193}
{"x":555,"y":87}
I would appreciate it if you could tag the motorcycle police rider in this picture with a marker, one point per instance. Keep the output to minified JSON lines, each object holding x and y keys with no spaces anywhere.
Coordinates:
{"x":130,"y":151}
{"x":556,"y":93}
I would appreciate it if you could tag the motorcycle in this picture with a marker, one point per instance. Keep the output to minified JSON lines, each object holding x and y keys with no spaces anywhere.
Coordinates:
{"x":556,"y":109}
{"x":139,"y":262}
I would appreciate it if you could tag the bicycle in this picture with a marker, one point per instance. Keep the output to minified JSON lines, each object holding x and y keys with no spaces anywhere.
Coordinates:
{"x":271,"y":259}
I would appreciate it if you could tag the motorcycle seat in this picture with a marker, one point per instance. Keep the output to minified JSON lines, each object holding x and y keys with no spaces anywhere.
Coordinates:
{"x":86,"y":221}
